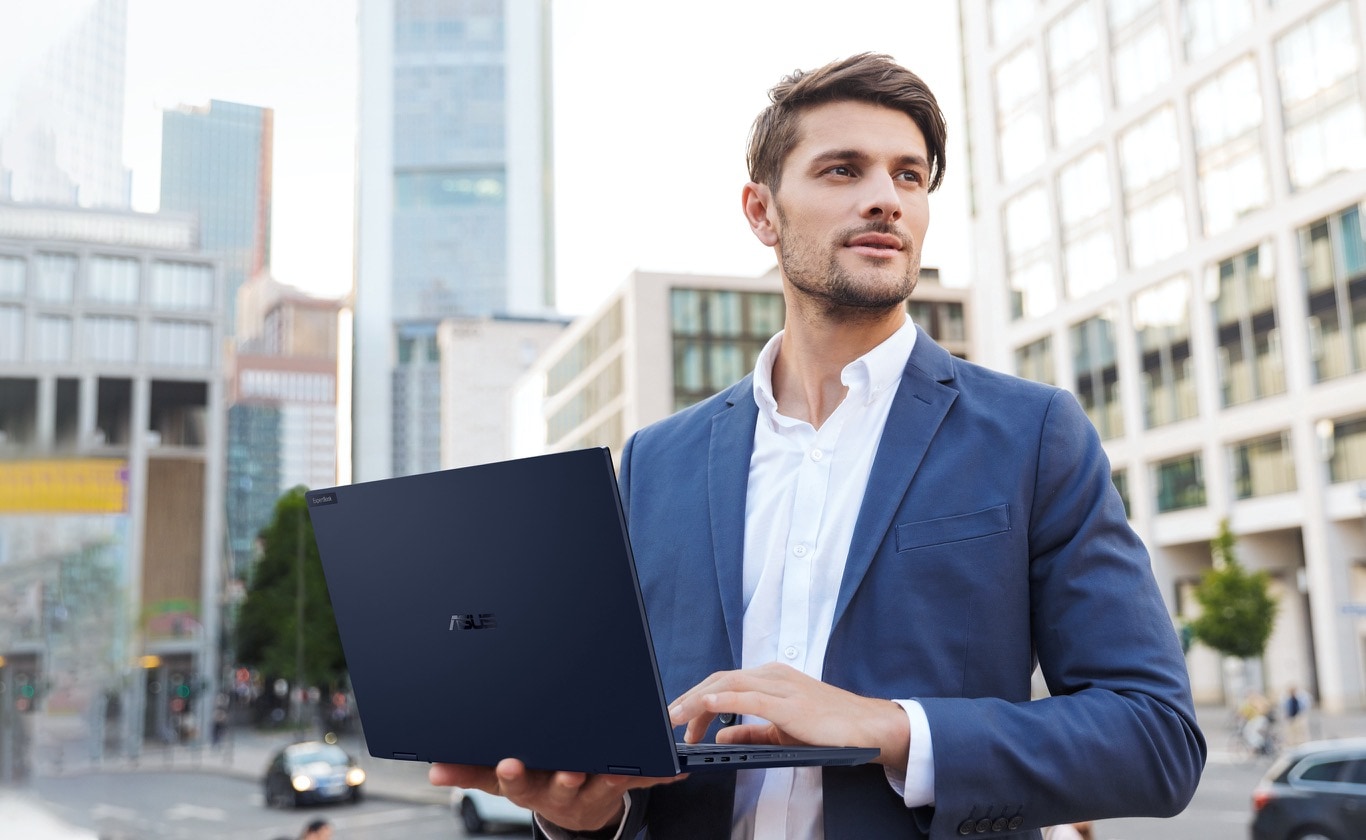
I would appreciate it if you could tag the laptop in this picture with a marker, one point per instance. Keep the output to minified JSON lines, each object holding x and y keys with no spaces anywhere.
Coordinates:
{"x":494,"y":611}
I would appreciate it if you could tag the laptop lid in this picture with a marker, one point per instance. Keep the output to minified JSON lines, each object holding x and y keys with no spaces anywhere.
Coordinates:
{"x":493,"y":611}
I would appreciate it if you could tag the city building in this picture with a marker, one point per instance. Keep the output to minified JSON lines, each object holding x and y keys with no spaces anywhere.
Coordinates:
{"x":282,"y":406}
{"x":480,"y":357}
{"x":1168,"y":218}
{"x":61,"y":106}
{"x":216,"y":166}
{"x":454,"y":155}
{"x":111,"y":473}
{"x":662,"y":342}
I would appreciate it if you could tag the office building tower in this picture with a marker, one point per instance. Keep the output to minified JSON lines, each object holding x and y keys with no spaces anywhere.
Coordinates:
{"x":216,"y":165}
{"x":1168,"y":219}
{"x":61,"y":106}
{"x":662,"y":342}
{"x":282,"y":406}
{"x":111,"y":473}
{"x":454,"y":203}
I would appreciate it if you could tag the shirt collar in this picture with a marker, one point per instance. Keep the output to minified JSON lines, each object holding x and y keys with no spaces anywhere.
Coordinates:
{"x":869,"y":375}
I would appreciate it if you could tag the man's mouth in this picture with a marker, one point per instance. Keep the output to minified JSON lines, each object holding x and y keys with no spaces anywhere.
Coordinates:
{"x":875,"y":242}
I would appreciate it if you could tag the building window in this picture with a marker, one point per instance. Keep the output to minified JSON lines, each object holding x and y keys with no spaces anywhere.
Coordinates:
{"x":1180,"y":483}
{"x":1035,"y":361}
{"x":11,"y":333}
{"x":177,"y":285}
{"x":1093,"y":364}
{"x":110,"y":339}
{"x":1227,"y":115}
{"x":943,"y":320}
{"x":1262,"y":467}
{"x":1029,"y":263}
{"x":181,"y":344}
{"x":1120,"y":478}
{"x":52,"y":338}
{"x":1019,"y":114}
{"x":1009,"y":16}
{"x":593,"y":345}
{"x":717,"y":337}
{"x":1075,"y":74}
{"x":1318,"y":66}
{"x":1333,"y":257}
{"x":1140,"y":49}
{"x":1244,"y":310}
{"x":12,"y":277}
{"x":1150,"y":165}
{"x":1088,"y":249}
{"x":1349,"y":451}
{"x":453,"y":188}
{"x":113,"y":280}
{"x":1162,"y":328}
{"x":54,"y":279}
{"x":1209,"y":24}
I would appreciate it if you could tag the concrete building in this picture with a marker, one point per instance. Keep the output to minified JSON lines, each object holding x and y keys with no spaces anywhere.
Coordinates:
{"x":454,"y":156}
{"x":1168,"y":217}
{"x":662,"y":342}
{"x":61,"y":105}
{"x":216,"y":164}
{"x":282,"y":405}
{"x":111,"y":472}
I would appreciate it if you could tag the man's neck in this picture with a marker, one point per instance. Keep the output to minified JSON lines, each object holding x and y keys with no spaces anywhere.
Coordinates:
{"x":807,"y":383}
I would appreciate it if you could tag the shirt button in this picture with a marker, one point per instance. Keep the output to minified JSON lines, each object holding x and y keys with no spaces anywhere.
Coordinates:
{"x":816,"y":454}
{"x":790,"y":652}
{"x":799,"y":550}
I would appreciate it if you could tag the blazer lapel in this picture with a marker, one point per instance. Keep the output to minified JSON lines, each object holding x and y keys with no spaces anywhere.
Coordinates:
{"x":920,"y":404}
{"x":732,"y":443}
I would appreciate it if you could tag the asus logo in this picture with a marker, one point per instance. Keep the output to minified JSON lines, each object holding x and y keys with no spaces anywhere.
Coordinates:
{"x":477,"y":621}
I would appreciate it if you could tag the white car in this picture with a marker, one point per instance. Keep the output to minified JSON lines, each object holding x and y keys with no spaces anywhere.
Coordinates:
{"x":476,"y":810}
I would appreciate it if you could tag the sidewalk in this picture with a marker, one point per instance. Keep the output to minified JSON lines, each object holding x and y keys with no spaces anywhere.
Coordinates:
{"x":1214,"y":722}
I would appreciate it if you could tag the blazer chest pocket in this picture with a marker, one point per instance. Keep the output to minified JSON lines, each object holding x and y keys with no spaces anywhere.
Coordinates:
{"x":950,"y":529}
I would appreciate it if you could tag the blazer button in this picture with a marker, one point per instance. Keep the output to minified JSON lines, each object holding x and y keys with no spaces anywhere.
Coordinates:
{"x":1015,"y":822}
{"x":1000,"y":824}
{"x":965,"y":827}
{"x":984,"y":825}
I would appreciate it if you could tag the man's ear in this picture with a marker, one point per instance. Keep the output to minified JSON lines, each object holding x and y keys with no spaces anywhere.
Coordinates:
{"x":761,"y":212}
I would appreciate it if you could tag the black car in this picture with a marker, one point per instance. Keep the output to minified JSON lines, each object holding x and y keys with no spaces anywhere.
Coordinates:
{"x":1316,"y":791}
{"x":312,"y":771}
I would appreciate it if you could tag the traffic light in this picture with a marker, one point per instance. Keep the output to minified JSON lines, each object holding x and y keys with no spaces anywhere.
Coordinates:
{"x":25,"y":692}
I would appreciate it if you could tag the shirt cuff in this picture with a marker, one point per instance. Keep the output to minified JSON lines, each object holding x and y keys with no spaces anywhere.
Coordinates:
{"x":916,"y":785}
{"x":554,"y":832}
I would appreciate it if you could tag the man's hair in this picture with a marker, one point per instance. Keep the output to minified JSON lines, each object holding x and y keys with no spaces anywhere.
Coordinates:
{"x":866,"y":77}
{"x":315,"y":826}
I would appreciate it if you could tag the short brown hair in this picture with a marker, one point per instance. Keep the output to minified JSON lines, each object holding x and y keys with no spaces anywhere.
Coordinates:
{"x":866,"y":77}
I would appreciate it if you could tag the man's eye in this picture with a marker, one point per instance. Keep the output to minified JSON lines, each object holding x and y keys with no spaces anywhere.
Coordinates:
{"x":912,"y":176}
{"x":842,"y":171}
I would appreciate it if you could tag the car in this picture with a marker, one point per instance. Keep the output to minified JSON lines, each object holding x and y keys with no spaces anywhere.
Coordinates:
{"x":312,"y":772}
{"x":1316,"y":791}
{"x":477,"y":810}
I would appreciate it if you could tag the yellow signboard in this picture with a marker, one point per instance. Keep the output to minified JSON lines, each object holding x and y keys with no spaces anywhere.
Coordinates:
{"x":78,"y":485}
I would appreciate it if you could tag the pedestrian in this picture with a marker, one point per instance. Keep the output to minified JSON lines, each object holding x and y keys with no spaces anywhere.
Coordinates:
{"x":318,"y":829}
{"x":1068,"y":831}
{"x":1296,"y":705}
{"x":869,"y":542}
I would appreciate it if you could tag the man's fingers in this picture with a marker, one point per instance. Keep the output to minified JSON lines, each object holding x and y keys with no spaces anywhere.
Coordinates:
{"x":464,"y":776}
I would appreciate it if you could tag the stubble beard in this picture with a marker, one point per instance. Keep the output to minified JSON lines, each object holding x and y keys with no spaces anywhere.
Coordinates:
{"x":842,"y":295}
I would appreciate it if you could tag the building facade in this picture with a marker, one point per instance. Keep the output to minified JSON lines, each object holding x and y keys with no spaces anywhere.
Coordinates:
{"x":61,"y":107}
{"x":454,"y":156}
{"x":216,"y":164}
{"x":662,"y":342}
{"x":1168,"y":208}
{"x":111,"y":473}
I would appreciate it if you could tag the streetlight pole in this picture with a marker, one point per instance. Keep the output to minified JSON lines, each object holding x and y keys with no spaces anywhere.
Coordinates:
{"x":299,"y":618}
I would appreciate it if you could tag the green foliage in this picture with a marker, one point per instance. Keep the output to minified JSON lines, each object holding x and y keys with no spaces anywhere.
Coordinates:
{"x":1238,"y":613}
{"x":267,"y":637}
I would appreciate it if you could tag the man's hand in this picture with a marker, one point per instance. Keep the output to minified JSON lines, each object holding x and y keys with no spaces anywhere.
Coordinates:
{"x":799,"y":710}
{"x":570,"y":800}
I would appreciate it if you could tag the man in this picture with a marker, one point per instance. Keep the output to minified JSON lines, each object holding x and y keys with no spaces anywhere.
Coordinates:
{"x":317,"y":830}
{"x":868,"y":543}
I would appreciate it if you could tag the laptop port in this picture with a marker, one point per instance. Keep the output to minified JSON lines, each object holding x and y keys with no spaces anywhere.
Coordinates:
{"x":708,"y":760}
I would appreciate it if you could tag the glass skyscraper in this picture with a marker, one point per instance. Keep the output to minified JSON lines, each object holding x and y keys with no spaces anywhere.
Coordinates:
{"x":454,"y":202}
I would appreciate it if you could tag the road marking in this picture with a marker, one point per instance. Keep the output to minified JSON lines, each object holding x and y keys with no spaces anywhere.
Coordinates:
{"x":103,"y":810}
{"x":387,"y":816}
{"x":186,"y":811}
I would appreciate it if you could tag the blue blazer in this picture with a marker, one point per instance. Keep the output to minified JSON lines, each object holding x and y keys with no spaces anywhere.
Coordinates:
{"x":990,"y":539}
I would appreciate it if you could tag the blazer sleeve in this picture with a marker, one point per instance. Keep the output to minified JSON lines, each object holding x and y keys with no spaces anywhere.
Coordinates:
{"x":1118,"y":734}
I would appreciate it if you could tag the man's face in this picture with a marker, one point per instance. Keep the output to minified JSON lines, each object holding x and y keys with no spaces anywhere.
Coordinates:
{"x":850,"y":214}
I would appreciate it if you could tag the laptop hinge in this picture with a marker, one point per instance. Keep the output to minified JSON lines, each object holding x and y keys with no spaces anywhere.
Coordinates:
{"x":621,"y":770}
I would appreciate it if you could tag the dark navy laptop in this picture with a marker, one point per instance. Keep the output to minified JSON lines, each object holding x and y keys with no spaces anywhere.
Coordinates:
{"x":494,"y":611}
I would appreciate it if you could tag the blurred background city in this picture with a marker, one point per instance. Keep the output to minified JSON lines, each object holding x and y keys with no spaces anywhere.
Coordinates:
{"x":252,"y":247}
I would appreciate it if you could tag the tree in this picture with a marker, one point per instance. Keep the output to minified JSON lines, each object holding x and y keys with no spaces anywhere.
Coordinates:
{"x":1237,"y":610}
{"x":287,"y":582}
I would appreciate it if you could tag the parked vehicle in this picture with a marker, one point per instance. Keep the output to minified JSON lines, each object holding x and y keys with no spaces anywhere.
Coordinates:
{"x":477,"y":810}
{"x":1316,"y":791}
{"x":312,"y":771}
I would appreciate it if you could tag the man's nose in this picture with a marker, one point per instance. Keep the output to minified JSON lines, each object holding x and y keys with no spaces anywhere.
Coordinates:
{"x":880,"y":199}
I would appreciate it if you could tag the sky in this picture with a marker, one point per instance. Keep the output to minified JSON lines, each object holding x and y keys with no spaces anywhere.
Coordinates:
{"x":653,"y":104}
